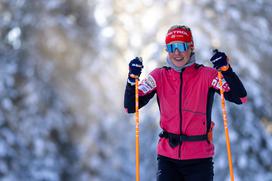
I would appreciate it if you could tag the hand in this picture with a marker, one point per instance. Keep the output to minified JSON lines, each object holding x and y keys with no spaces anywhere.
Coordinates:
{"x":219,"y":59}
{"x":135,"y":69}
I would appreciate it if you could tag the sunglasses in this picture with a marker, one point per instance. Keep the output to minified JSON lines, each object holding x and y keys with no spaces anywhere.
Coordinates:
{"x":182,"y":47}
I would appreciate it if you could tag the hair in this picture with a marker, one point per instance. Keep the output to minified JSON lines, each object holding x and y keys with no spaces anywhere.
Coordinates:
{"x":179,"y":26}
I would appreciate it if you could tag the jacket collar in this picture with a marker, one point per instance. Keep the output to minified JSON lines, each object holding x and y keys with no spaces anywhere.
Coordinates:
{"x":179,"y":69}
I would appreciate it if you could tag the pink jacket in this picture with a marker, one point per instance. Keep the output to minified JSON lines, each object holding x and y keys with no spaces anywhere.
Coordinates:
{"x":185,"y":101}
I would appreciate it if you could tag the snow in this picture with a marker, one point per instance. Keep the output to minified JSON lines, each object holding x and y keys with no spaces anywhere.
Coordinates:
{"x":14,"y":37}
{"x":63,"y":69}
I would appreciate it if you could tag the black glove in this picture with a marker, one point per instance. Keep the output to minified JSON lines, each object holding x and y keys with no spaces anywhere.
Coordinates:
{"x":135,"y":69}
{"x":219,"y":59}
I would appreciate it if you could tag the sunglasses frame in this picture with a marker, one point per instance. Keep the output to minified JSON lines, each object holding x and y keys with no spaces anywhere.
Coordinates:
{"x":182,"y":47}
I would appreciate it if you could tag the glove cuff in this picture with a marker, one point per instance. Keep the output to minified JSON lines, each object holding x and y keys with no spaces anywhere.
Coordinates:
{"x":224,"y":68}
{"x":229,"y":71}
{"x":131,"y":81}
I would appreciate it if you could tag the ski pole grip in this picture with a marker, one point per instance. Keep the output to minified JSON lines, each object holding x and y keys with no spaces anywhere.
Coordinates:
{"x":133,"y":75}
{"x":215,"y":51}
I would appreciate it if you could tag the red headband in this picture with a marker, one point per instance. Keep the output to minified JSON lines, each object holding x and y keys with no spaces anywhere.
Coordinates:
{"x":179,"y":34}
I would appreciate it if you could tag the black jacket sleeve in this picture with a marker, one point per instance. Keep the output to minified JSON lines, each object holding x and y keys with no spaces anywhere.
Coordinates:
{"x":129,"y":98}
{"x":237,"y":89}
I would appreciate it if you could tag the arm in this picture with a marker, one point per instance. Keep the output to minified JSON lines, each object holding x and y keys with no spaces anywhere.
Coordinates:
{"x":234,"y":90}
{"x":129,"y":99}
{"x":147,"y":87}
{"x":237,"y":93}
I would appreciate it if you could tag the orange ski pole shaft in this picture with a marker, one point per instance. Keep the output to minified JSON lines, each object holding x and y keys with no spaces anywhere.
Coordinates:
{"x":226,"y":125}
{"x":137,"y":145}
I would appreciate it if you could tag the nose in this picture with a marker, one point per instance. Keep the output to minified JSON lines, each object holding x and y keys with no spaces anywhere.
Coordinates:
{"x":176,"y":51}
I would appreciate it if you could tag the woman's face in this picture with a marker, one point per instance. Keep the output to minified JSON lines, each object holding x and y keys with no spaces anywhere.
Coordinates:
{"x":178,"y":57}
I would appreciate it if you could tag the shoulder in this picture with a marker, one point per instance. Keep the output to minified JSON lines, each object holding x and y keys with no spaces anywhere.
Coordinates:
{"x":205,"y":72}
{"x":161,"y":69}
{"x":155,"y":72}
{"x":206,"y":69}
{"x":158,"y":71}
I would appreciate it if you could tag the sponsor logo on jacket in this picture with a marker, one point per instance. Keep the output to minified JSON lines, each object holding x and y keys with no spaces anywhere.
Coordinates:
{"x":216,"y":85}
{"x":148,"y":84}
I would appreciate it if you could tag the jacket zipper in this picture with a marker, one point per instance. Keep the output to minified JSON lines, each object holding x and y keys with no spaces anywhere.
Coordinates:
{"x":180,"y":111}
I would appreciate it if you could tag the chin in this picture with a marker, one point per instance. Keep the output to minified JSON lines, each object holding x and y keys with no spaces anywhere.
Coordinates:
{"x":180,"y":64}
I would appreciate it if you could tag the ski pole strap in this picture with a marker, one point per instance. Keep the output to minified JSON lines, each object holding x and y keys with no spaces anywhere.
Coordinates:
{"x":177,"y":139}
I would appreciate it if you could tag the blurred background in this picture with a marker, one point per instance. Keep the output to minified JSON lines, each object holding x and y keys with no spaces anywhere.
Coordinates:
{"x":63,"y":70}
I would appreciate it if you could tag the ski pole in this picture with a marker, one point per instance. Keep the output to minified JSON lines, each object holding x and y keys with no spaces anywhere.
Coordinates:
{"x":225,"y":125}
{"x":137,"y":142}
{"x":137,"y":145}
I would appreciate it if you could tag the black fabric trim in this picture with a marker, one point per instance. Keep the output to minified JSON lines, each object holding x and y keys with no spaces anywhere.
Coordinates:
{"x":166,"y":67}
{"x":209,"y":108}
{"x":129,"y":98}
{"x":180,"y":110}
{"x":177,"y":139}
{"x":197,"y":66}
{"x":158,"y":101}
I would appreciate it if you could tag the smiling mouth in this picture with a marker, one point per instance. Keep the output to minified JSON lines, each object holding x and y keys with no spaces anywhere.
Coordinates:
{"x":179,"y":58}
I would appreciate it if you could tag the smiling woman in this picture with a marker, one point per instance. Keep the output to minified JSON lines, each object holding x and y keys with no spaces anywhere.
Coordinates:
{"x":180,"y":46}
{"x":185,"y":92}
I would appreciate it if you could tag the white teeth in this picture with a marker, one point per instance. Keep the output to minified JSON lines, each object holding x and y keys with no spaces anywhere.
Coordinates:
{"x":179,"y":58}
